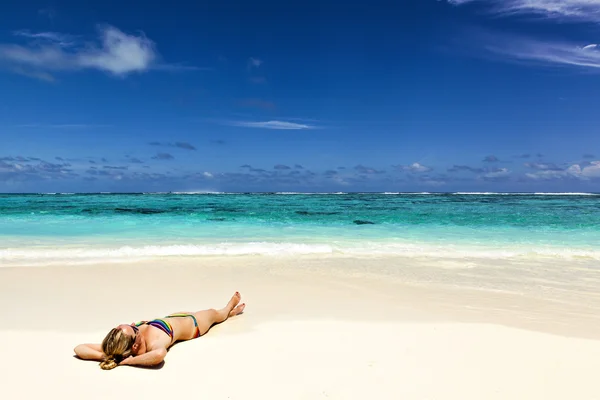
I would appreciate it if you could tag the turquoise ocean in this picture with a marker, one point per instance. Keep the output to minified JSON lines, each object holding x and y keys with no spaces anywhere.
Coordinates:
{"x":47,"y":229}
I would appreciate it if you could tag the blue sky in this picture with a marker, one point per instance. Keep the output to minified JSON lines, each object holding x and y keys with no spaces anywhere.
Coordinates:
{"x":414,"y":95}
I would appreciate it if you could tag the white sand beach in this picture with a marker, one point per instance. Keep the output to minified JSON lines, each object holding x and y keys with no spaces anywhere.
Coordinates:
{"x":310,"y":331}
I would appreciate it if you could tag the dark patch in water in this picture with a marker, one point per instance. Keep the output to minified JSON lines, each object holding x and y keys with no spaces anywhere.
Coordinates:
{"x":138,"y":210}
{"x":361,"y":222}
{"x":317,"y":212}
{"x":227,"y":209}
{"x":216,"y":219}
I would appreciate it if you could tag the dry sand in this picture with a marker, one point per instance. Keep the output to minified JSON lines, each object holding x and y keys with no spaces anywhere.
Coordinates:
{"x":307,"y":333}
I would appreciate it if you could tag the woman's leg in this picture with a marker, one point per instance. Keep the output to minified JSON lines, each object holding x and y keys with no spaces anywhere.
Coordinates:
{"x":207,"y":318}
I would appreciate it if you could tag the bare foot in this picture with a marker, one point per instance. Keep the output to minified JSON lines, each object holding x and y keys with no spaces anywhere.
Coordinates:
{"x":235,"y":299}
{"x":238,"y":310}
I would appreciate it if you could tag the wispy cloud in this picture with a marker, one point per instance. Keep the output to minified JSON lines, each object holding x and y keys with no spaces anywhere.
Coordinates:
{"x":39,"y":75}
{"x":581,"y":10}
{"x":60,"y":39}
{"x":283,"y":125}
{"x":115,"y":52}
{"x":524,"y":49}
{"x":546,"y":52}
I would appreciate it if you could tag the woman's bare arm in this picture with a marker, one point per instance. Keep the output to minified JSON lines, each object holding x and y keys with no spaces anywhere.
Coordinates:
{"x":89,"y":351}
{"x":147,"y":359}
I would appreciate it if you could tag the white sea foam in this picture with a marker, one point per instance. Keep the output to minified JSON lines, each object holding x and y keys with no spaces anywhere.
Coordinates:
{"x":101,"y":254}
{"x":477,"y":193}
{"x":91,"y":254}
{"x":199,"y":192}
{"x":369,"y":193}
{"x":567,"y":194}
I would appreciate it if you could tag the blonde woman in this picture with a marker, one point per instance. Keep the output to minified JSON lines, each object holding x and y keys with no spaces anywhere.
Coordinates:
{"x":145,"y":343}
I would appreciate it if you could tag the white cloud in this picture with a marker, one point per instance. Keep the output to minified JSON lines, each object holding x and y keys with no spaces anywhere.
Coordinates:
{"x":414,"y":167}
{"x":500,"y":173}
{"x":272,"y":125}
{"x":592,"y":170}
{"x":117,"y":53}
{"x":120,"y":53}
{"x":575,"y":171}
{"x":583,"y":10}
{"x":208,"y":175}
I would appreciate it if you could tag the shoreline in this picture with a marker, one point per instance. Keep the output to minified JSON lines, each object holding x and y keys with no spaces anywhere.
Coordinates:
{"x":373,"y":279}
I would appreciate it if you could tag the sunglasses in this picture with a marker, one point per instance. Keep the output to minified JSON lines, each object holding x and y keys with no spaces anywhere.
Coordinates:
{"x":135,"y":330}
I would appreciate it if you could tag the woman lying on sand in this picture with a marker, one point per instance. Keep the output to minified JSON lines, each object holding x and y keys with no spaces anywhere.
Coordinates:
{"x":145,"y":343}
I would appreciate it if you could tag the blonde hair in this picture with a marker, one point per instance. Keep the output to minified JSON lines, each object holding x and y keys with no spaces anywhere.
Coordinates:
{"x":116,"y":346}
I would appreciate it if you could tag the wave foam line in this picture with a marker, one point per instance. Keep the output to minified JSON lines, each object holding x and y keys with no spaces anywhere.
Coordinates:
{"x":72,"y":255}
{"x":25,"y":254}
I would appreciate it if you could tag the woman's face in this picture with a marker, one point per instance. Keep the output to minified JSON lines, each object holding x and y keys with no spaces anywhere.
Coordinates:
{"x":138,"y":346}
{"x":129,"y":330}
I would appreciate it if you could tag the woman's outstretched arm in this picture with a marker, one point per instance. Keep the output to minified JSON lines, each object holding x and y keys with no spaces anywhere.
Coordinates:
{"x":89,"y":351}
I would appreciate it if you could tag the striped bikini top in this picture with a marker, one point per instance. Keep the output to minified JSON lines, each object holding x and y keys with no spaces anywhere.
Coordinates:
{"x":160,"y":324}
{"x":164,"y":326}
